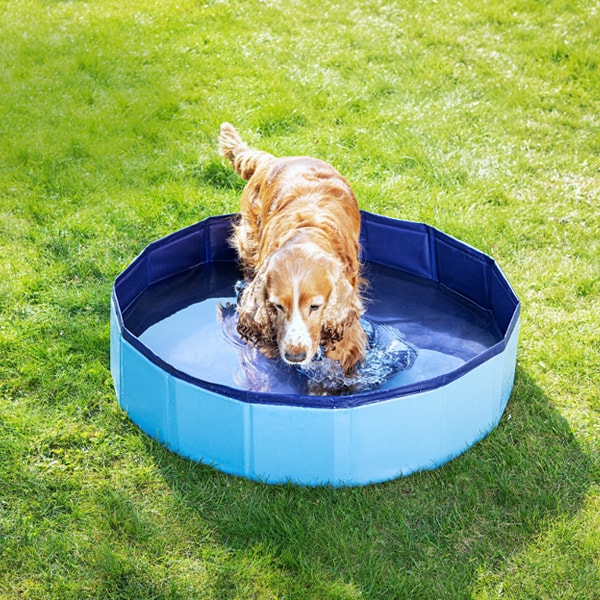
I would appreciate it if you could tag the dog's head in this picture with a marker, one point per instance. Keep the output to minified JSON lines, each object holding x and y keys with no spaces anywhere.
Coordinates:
{"x":300,"y":300}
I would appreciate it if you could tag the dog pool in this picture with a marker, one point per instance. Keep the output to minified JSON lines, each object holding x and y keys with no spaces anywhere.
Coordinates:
{"x":184,"y":378}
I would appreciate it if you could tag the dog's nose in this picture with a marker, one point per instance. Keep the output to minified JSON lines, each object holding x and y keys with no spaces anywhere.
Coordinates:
{"x":294,"y":357}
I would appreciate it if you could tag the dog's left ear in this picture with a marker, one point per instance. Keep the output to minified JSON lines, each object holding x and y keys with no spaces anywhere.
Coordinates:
{"x":343,"y":309}
{"x":254,"y":320}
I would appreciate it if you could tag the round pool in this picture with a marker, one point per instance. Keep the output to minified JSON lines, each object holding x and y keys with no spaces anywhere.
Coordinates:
{"x":185,"y":380}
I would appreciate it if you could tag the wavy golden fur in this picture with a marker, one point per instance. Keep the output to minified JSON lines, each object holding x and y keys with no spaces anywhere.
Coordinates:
{"x":298,"y":245}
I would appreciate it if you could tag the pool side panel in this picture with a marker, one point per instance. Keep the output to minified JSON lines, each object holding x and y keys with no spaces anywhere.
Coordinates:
{"x":463,"y":270}
{"x":289,"y":443}
{"x":396,"y":437}
{"x":415,"y":257}
{"x":115,"y":348}
{"x":144,"y":392}
{"x":510,"y":365}
{"x":209,"y":428}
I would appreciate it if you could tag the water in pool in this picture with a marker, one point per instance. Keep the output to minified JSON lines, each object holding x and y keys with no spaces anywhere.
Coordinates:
{"x":188,"y":321}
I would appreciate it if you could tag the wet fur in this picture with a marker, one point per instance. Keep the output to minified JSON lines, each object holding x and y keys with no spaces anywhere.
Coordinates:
{"x":298,"y":244}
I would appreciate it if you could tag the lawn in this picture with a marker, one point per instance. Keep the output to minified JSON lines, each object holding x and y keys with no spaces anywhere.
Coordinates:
{"x":480,"y":118}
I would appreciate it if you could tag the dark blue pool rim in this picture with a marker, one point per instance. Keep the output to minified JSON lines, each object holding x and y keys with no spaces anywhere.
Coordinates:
{"x":411,"y":247}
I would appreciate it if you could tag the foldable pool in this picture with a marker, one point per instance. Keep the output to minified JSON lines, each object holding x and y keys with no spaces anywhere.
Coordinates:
{"x":180,"y":378}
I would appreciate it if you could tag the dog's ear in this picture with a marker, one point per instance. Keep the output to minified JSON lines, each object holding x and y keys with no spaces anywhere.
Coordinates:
{"x":255,"y":322}
{"x":343,"y":309}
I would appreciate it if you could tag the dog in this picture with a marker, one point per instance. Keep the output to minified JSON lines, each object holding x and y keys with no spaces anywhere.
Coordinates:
{"x":297,"y":240}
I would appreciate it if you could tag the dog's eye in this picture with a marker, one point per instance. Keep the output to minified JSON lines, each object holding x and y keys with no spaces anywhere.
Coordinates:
{"x":279,"y":307}
{"x":314,"y":307}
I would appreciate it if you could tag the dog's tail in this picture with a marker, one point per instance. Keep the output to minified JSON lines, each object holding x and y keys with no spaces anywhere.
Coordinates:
{"x":244,"y":160}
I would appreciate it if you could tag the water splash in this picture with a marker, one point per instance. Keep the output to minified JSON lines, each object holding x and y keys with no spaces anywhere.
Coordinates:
{"x":388,"y":353}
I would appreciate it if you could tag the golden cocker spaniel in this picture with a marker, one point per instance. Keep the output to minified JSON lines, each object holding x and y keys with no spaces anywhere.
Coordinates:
{"x":298,"y":244}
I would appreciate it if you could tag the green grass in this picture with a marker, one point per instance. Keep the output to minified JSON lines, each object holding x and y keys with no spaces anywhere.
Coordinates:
{"x":479,"y":118}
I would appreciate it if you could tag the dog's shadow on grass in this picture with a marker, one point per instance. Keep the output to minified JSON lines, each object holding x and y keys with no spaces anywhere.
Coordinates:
{"x":425,"y":535}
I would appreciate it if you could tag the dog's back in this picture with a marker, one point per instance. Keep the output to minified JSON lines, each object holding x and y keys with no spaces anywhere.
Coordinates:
{"x":287,"y":195}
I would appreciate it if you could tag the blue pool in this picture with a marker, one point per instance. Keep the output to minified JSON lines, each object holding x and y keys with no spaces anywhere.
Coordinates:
{"x":185,"y":379}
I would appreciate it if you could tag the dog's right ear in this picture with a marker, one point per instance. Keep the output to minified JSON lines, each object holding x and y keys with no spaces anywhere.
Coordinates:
{"x":255,"y":323}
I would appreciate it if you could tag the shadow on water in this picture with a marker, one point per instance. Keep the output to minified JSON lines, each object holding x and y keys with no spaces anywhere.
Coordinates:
{"x":422,"y":536}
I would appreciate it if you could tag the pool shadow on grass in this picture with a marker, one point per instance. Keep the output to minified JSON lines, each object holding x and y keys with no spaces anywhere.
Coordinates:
{"x":423,"y":536}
